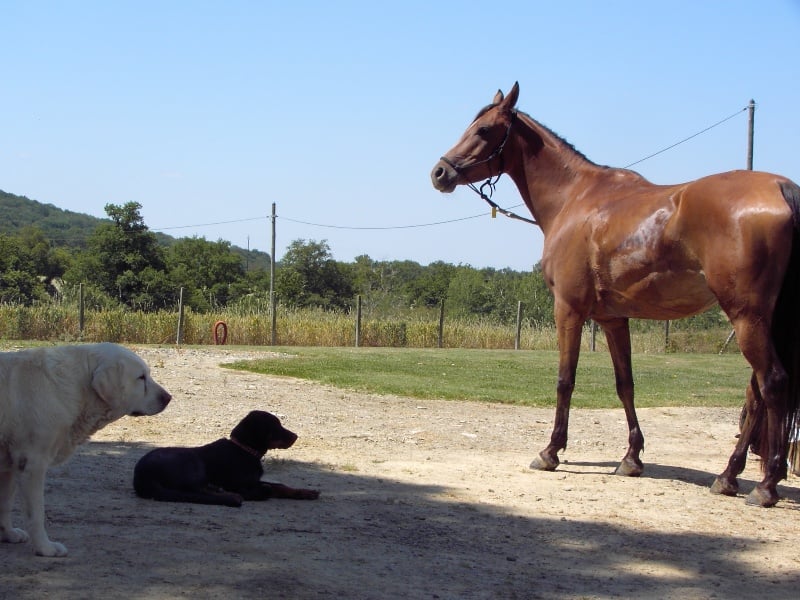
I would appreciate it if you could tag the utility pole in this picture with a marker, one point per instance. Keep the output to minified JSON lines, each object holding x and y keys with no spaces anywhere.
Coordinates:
{"x":273,"y":337}
{"x":751,"y":111}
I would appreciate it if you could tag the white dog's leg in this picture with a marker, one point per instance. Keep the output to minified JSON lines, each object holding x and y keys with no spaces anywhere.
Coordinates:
{"x":8,"y":533}
{"x":32,"y":491}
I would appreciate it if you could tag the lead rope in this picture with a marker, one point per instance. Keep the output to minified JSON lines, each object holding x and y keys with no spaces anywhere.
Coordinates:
{"x":496,"y":208}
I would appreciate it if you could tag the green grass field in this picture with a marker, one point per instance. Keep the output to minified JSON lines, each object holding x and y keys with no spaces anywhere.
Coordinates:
{"x":513,"y":377}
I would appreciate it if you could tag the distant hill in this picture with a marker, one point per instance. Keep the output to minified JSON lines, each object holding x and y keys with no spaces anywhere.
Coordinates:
{"x":69,"y":229}
{"x":61,"y":227}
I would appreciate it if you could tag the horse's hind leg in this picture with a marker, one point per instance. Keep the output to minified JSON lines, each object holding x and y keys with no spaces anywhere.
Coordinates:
{"x":769,"y":383}
{"x":619,"y":343}
{"x":726,"y":483}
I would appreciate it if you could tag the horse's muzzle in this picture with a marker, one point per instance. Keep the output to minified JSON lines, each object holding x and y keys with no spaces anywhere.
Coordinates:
{"x":444,"y":177}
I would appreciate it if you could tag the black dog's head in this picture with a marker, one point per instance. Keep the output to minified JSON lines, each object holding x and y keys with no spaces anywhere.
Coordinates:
{"x":263,"y":431}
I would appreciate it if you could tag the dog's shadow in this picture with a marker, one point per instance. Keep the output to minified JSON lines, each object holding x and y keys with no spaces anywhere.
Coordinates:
{"x":110,"y":466}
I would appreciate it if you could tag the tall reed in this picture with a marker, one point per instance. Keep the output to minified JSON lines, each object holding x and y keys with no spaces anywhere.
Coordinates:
{"x":252,"y":326}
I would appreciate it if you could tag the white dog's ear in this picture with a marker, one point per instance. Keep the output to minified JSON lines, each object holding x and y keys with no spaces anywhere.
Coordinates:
{"x":106,"y":380}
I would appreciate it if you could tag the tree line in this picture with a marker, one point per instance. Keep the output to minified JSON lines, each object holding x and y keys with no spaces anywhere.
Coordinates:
{"x":121,"y":263}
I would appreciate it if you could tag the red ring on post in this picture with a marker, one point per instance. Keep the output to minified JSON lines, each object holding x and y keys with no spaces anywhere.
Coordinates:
{"x":220,"y":340}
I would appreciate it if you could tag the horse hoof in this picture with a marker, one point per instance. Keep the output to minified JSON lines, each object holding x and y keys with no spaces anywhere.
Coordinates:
{"x":544,"y":463}
{"x":762,"y":497}
{"x":629,"y":468}
{"x":724,"y":487}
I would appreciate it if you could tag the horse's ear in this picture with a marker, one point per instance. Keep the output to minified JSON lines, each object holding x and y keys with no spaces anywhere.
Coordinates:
{"x":510,"y":101}
{"x":498,"y":97}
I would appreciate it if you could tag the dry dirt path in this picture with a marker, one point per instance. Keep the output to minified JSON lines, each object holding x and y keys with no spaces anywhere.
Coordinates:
{"x":420,"y":499}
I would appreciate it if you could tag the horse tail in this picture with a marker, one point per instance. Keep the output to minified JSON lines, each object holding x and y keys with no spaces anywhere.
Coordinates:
{"x":786,"y":329}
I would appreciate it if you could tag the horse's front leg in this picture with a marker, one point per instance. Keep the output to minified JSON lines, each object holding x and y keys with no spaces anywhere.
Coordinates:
{"x":569,"y":327}
{"x":619,"y":344}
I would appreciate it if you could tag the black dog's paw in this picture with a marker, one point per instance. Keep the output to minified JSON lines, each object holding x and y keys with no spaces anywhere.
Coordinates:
{"x":228,"y":498}
{"x":234,"y":500}
{"x":306,"y":494}
{"x":278,"y":490}
{"x":312,"y":494}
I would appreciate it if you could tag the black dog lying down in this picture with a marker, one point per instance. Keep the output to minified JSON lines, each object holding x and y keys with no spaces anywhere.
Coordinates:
{"x":225,"y":472}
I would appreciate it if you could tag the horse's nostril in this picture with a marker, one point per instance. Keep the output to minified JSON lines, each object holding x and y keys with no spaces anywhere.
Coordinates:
{"x":438,"y":173}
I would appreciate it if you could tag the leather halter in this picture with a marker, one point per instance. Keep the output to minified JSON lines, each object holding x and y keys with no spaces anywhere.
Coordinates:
{"x":492,"y":180}
{"x":497,"y":152}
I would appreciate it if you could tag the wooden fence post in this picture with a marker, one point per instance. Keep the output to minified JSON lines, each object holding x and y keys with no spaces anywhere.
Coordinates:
{"x":519,"y":325}
{"x":272,"y":300}
{"x":441,"y":323}
{"x":81,"y":321}
{"x":179,"y":338}
{"x":358,"y":320}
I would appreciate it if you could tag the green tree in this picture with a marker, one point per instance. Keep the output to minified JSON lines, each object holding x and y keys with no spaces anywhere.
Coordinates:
{"x":537,"y":298}
{"x":123,"y":259}
{"x":308,"y":276}
{"x":494,"y":294}
{"x":430,"y":287}
{"x":471,"y":293}
{"x":380,"y":289}
{"x":208,"y":271}
{"x":18,"y":283}
{"x":29,"y":267}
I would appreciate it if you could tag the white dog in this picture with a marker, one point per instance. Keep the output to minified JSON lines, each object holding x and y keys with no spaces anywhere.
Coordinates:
{"x":51,"y":400}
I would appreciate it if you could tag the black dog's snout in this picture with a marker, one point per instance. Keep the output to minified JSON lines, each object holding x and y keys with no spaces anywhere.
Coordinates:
{"x":287,"y":439}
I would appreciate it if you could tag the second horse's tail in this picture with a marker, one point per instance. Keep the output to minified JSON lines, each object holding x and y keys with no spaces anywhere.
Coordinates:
{"x":786,"y":330}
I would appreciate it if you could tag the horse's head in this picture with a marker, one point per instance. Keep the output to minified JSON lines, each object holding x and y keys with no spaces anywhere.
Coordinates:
{"x":479,"y":153}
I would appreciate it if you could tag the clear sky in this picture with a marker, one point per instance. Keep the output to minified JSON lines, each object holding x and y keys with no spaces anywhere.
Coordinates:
{"x":208,"y":112}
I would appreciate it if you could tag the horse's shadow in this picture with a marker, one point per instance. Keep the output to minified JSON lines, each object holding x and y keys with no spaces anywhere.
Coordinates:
{"x":651,"y":471}
{"x":685,"y":474}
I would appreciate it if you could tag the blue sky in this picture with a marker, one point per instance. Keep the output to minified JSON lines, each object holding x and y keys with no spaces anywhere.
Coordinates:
{"x":207,"y":112}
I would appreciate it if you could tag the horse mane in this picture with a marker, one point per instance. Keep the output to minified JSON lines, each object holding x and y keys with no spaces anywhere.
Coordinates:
{"x":534,"y":124}
{"x":483,"y":111}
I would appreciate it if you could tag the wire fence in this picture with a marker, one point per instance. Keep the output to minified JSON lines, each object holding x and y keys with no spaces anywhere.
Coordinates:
{"x":316,"y":327}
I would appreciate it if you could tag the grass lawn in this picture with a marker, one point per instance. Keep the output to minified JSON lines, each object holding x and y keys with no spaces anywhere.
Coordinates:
{"x":513,"y":376}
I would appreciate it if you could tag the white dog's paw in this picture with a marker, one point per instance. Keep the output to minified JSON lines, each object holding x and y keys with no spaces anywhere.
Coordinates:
{"x":49,"y":548}
{"x":14,"y":536}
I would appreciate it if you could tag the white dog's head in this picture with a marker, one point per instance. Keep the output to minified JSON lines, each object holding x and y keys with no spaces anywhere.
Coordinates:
{"x":122,"y":380}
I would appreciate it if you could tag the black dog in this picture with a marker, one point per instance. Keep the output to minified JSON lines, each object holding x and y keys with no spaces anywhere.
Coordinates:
{"x":225,"y":472}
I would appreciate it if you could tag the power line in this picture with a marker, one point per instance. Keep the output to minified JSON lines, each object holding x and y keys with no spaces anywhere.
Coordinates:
{"x":694,"y":135}
{"x":385,"y":227}
{"x":670,"y":147}
{"x":436,"y":223}
{"x":211,"y":224}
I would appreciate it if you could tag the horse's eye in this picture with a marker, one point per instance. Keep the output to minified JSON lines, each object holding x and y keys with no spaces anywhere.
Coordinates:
{"x":483,"y":131}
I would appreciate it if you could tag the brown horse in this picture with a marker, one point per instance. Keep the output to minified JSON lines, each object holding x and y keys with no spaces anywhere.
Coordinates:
{"x":617,"y":246}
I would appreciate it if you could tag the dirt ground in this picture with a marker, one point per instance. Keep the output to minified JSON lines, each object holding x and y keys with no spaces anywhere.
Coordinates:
{"x":420,"y":499}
